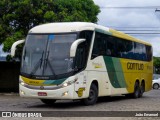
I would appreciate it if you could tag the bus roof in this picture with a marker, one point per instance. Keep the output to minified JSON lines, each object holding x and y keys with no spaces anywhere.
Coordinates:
{"x":65,"y":27}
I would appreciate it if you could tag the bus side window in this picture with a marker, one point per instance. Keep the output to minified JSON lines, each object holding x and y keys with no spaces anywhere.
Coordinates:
{"x":120,"y":48}
{"x":149,"y":53}
{"x":99,"y":47}
{"x":95,"y":50}
{"x":140,"y":51}
{"x":80,"y":56}
{"x":144,"y":55}
{"x":129,"y":49}
{"x":111,"y":44}
{"x":137,"y":50}
{"x":83,"y":50}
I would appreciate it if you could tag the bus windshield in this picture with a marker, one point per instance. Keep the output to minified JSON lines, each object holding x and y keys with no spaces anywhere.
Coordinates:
{"x":47,"y":54}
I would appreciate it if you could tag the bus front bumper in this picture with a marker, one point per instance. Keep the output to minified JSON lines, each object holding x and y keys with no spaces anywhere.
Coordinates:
{"x":61,"y":93}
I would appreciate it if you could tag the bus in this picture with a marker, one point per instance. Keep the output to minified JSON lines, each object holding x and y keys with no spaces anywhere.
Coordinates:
{"x":83,"y":61}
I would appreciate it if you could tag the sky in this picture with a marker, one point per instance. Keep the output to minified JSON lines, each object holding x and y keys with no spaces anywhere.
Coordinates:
{"x":131,"y":19}
{"x":2,"y":54}
{"x":114,"y":14}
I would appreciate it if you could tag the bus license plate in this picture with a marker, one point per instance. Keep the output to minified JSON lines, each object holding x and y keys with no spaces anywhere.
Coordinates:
{"x":42,"y":94}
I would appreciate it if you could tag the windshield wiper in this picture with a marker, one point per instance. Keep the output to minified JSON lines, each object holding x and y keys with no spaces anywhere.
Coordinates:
{"x":39,"y":63}
{"x":41,"y":60}
{"x":49,"y":64}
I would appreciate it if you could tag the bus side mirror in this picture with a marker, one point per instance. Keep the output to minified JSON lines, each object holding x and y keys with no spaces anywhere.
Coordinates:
{"x":74,"y":47}
{"x":13,"y":48}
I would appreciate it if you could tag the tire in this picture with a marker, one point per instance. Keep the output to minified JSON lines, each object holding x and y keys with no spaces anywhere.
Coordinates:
{"x":136,"y":93}
{"x":48,"y":101}
{"x":142,"y":89}
{"x":93,"y":96}
{"x":155,"y":86}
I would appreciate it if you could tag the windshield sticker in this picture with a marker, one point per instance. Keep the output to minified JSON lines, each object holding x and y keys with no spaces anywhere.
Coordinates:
{"x":51,"y":37}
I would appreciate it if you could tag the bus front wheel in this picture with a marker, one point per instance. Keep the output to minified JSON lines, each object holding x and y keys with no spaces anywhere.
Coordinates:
{"x":48,"y":101}
{"x":93,"y":96}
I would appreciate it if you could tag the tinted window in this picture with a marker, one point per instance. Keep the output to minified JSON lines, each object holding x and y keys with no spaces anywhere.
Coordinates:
{"x":83,"y":50}
{"x":149,"y":53}
{"x":125,"y":48}
{"x":111,"y":46}
{"x":116,"y":47}
{"x":100,"y":45}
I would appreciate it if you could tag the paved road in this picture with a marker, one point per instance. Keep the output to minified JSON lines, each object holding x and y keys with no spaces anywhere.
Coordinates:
{"x":149,"y":102}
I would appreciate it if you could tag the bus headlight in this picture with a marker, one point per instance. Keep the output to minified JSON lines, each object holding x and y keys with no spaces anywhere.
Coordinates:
{"x":22,"y":92}
{"x":65,"y":84}
{"x":69,"y":82}
{"x":21,"y":82}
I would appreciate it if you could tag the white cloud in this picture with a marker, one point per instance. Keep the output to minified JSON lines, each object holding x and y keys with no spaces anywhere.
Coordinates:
{"x":127,"y":2}
{"x":132,"y":17}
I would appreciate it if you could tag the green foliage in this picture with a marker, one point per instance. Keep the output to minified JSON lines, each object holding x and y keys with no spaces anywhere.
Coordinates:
{"x":156,"y":63}
{"x":18,"y":16}
{"x":8,"y":58}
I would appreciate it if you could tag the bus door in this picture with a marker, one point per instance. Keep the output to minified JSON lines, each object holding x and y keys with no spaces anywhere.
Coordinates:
{"x":80,"y":62}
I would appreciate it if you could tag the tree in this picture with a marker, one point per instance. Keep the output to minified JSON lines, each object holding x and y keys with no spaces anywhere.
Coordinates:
{"x":156,"y":63}
{"x":18,"y":16}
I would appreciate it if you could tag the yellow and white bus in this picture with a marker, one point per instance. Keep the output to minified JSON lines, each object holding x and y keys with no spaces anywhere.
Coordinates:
{"x":79,"y":60}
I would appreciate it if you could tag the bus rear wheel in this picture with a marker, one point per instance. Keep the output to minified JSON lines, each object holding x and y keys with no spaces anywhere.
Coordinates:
{"x":142,"y":89}
{"x":136,"y":93}
{"x":93,"y":96}
{"x":48,"y":101}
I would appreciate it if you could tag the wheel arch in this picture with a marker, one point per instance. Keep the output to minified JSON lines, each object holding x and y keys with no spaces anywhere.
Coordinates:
{"x":95,"y":82}
{"x":143,"y":82}
{"x":137,"y":80}
{"x":92,"y":93}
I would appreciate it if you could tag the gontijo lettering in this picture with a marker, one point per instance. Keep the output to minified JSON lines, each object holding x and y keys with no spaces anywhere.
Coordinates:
{"x":135,"y":66}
